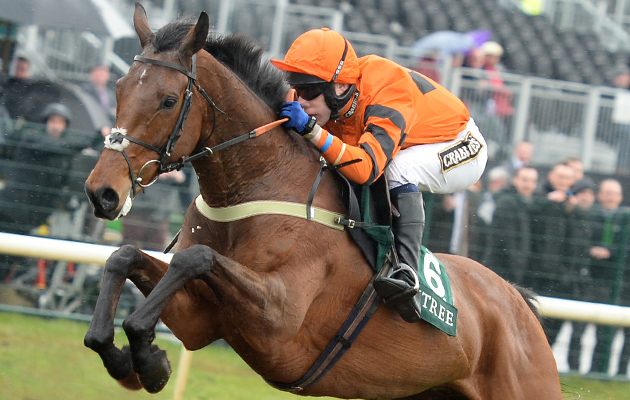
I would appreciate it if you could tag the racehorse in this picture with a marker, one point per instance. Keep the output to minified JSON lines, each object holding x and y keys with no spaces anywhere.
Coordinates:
{"x":276,"y":287}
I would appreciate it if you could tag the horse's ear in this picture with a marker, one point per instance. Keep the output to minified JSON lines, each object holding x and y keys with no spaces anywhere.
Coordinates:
{"x":141,"y":23}
{"x":196,"y":37}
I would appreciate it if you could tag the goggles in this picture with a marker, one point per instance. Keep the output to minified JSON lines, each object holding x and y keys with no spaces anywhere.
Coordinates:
{"x":309,"y":92}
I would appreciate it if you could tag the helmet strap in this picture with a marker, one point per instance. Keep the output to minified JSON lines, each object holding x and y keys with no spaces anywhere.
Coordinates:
{"x":335,"y":102}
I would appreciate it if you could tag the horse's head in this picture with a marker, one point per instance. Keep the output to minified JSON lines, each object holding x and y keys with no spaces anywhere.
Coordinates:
{"x":154,"y":124}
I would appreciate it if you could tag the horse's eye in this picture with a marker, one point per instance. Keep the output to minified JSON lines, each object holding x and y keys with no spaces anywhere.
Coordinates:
{"x":168,"y":102}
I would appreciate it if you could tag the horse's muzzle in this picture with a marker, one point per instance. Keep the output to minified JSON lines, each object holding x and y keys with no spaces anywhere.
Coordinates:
{"x":105,"y":201}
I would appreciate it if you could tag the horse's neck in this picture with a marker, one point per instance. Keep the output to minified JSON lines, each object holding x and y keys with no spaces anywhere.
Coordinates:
{"x":273,"y":166}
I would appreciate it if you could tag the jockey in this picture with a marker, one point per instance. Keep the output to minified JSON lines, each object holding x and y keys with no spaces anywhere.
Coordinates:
{"x":385,"y":115}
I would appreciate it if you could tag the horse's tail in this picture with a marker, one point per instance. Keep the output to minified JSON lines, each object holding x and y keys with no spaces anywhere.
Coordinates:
{"x":530,"y":298}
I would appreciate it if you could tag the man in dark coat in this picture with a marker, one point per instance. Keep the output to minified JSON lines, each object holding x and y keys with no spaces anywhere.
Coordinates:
{"x":608,"y":253}
{"x":41,"y":163}
{"x":509,"y":246}
{"x":580,"y":239}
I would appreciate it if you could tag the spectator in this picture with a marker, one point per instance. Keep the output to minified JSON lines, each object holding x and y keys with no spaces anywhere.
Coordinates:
{"x":608,"y":257}
{"x":476,"y":96}
{"x":557,"y":186}
{"x":22,"y":68}
{"x":42,"y":159}
{"x":581,"y":227}
{"x":521,"y":157}
{"x":578,"y":167}
{"x":475,"y":58}
{"x":100,"y":90}
{"x":34,"y":186}
{"x":509,"y":247}
{"x":549,"y":232}
{"x":498,"y":179}
{"x":500,"y":101}
{"x":16,"y":88}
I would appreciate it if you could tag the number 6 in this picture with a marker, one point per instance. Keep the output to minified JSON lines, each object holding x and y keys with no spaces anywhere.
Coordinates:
{"x":432,"y":271}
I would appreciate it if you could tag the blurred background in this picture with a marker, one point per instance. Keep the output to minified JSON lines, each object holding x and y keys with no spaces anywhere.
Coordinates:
{"x":547,"y":82}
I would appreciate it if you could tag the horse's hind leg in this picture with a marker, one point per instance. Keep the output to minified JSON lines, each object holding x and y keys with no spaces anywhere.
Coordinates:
{"x":151,"y":364}
{"x":145,"y":272}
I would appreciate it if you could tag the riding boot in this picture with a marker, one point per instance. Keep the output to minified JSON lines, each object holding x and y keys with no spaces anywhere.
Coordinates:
{"x":400,"y":286}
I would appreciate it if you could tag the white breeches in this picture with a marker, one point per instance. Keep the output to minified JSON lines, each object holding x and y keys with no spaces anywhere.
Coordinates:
{"x":445,"y":167}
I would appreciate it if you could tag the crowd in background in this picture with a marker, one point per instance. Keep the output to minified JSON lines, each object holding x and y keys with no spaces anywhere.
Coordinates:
{"x":44,"y":163}
{"x":555,"y":231}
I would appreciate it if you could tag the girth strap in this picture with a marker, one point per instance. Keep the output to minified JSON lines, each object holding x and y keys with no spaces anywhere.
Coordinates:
{"x":343,"y":340}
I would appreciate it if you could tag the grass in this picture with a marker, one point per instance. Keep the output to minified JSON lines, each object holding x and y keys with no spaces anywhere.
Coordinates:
{"x":45,"y":359}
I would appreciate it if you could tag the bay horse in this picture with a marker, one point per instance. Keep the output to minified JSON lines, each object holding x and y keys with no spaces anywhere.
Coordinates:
{"x":276,"y":287}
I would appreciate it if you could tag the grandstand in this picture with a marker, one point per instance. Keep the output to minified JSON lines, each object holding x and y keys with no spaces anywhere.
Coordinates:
{"x":568,"y":44}
{"x":571,"y":40}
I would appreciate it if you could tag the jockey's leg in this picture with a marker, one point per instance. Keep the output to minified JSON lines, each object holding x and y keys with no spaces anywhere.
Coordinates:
{"x":400,"y":286}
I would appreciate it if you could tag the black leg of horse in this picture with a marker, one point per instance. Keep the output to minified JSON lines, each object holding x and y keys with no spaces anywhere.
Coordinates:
{"x":150,"y":363}
{"x":100,"y":335}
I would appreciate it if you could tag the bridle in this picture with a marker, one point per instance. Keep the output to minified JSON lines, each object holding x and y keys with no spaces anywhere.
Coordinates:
{"x":116,"y":140}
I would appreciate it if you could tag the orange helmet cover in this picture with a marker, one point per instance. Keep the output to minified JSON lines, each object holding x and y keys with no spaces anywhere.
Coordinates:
{"x":318,"y":52}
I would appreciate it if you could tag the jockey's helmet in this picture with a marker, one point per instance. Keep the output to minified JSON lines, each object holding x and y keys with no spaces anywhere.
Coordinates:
{"x":322,"y":57}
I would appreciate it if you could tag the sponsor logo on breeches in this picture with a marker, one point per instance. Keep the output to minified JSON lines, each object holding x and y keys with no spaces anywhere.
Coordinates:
{"x":460,"y":153}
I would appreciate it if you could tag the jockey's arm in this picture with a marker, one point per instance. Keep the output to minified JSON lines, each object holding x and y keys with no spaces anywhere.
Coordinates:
{"x":378,"y":144}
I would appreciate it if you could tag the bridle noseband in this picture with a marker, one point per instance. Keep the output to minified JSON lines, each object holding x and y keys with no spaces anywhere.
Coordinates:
{"x":116,"y":140}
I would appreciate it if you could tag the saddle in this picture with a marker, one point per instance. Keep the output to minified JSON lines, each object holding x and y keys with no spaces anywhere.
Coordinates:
{"x":369,"y":223}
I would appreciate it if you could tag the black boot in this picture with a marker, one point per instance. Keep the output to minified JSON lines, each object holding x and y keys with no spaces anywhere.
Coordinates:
{"x":400,"y":286}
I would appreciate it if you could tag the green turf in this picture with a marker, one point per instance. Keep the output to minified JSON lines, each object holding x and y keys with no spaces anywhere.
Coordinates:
{"x":45,"y":359}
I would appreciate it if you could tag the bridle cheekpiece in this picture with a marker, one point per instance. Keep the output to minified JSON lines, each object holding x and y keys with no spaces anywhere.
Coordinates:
{"x":118,"y":139}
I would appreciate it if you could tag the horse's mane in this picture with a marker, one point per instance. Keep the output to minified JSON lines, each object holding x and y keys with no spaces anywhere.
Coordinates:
{"x":241,"y":54}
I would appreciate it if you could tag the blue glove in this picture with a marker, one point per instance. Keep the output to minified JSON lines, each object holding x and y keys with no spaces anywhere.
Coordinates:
{"x":298,"y":118}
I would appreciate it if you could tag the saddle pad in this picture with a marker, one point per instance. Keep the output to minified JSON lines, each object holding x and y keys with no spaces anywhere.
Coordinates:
{"x":435,"y":294}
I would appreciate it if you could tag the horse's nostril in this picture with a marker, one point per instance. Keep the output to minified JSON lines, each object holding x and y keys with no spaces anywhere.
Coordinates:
{"x":108,"y":199}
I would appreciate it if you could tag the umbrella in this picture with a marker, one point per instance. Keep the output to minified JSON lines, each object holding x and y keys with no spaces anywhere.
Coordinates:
{"x":449,"y":42}
{"x":96,"y":16}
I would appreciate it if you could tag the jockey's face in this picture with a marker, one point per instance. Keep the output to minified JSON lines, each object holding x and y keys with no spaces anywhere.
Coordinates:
{"x":317,"y":107}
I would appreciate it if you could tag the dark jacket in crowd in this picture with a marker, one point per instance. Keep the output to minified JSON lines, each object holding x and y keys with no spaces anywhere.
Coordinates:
{"x":549,"y":248}
{"x":509,"y":247}
{"x":35,"y":179}
{"x":609,"y":233}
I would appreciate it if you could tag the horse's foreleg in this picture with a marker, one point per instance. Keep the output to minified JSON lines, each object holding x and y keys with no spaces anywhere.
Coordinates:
{"x":124,"y":263}
{"x":149,"y":362}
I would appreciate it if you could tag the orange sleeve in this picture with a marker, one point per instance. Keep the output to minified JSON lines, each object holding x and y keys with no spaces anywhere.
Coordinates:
{"x":379,"y":143}
{"x":339,"y":152}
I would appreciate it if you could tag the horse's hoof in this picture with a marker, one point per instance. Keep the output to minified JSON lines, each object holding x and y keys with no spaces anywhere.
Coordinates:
{"x":156,"y":378}
{"x":131,"y":382}
{"x":120,"y":366}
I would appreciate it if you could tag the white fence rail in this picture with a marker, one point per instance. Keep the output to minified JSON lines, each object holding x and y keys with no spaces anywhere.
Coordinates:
{"x":63,"y":250}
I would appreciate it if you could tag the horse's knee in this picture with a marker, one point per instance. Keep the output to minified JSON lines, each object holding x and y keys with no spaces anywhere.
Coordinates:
{"x":195,"y":260}
{"x":98,"y":340}
{"x":122,"y":259}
